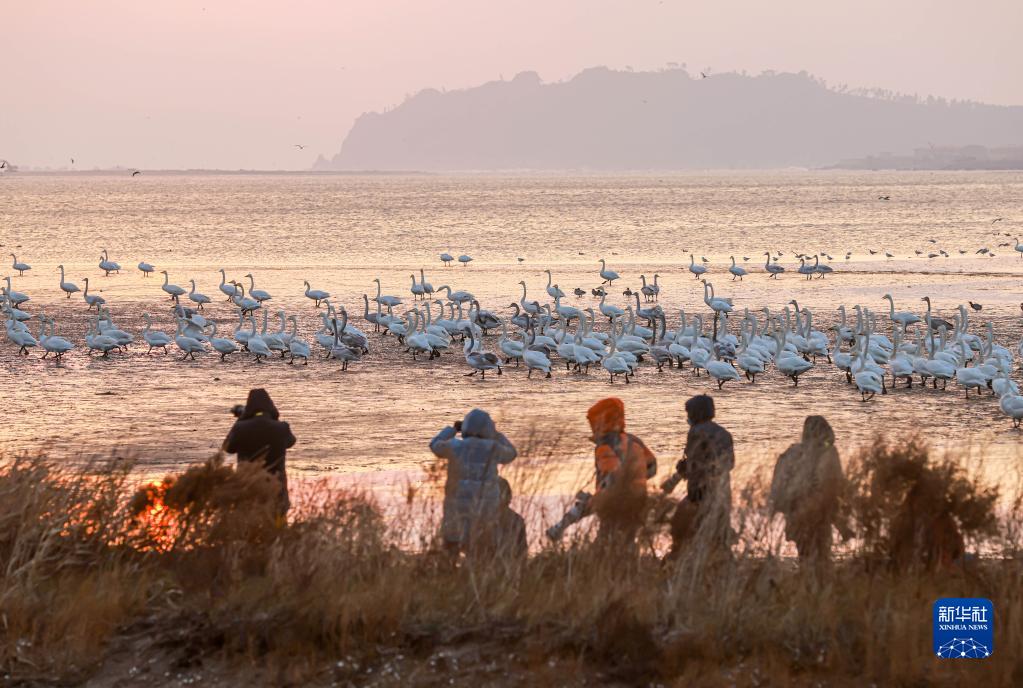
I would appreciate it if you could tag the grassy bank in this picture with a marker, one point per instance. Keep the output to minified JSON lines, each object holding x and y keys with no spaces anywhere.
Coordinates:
{"x":191,"y":579}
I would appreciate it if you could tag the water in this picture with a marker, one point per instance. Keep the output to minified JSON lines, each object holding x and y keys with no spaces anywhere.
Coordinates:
{"x":340,"y":232}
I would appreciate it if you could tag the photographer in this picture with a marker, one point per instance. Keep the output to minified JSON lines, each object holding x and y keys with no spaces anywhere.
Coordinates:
{"x":623,"y":466}
{"x":472,"y":494}
{"x":259,"y":436}
{"x":705,"y":513}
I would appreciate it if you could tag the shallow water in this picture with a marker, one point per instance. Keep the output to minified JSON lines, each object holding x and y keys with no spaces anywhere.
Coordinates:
{"x":340,"y":232}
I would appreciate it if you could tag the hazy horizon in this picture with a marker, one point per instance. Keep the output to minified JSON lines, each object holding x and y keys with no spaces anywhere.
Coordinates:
{"x":204,"y":85}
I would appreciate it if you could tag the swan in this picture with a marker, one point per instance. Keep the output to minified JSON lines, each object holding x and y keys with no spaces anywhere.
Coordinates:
{"x":446,"y":258}
{"x":616,"y":365}
{"x":751,"y":362}
{"x":23,"y":339}
{"x":480,"y":361}
{"x":552,"y":289}
{"x":228,"y":289}
{"x":257,"y":294}
{"x":296,"y":346}
{"x":172,"y":289}
{"x":464,"y":260}
{"x":58,"y":346}
{"x":523,"y":321}
{"x":387,"y":301}
{"x":196,"y":297}
{"x":255,"y":343}
{"x":105,"y":325}
{"x":417,"y":289}
{"x":536,"y":360}
{"x":245,"y":304}
{"x":427,"y":287}
{"x":154,"y":338}
{"x":736,"y":270}
{"x":19,"y":266}
{"x":15,"y":297}
{"x":903,"y":318}
{"x":107,"y":265}
{"x":339,"y":351}
{"x":773,"y":268}
{"x":608,"y":276}
{"x":317,"y":295}
{"x":821,"y":269}
{"x":697,"y":270}
{"x":788,"y":364}
{"x":274,"y":340}
{"x":188,"y":345}
{"x":146,"y":268}
{"x":1011,"y":405}
{"x":937,"y":368}
{"x":460,"y":296}
{"x":350,"y":335}
{"x":610,"y":310}
{"x":375,"y":318}
{"x":805,"y":269}
{"x":94,"y":300}
{"x":716,"y":304}
{"x":16,"y":316}
{"x":971,"y":377}
{"x":486,"y":320}
{"x":68,"y":288}
{"x":221,"y":345}
{"x":99,"y":342}
{"x":648,"y":291}
{"x":512,"y":349}
{"x":530,"y":307}
{"x":935,"y":323}
{"x":569,"y":313}
{"x":1019,"y":248}
{"x":417,"y":342}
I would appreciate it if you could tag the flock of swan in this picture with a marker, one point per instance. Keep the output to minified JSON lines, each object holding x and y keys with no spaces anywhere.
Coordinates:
{"x":874,"y":351}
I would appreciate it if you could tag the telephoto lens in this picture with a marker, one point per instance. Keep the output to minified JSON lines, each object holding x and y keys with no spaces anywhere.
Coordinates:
{"x":237,"y":410}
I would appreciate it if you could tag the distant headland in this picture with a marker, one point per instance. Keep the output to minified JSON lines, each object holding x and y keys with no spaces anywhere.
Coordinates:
{"x":607,"y":120}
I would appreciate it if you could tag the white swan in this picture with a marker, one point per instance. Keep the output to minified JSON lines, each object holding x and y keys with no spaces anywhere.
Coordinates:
{"x":773,"y":268}
{"x":52,"y":344}
{"x":464,"y":260}
{"x":154,"y":338}
{"x":255,"y":343}
{"x":107,"y":265}
{"x":19,"y":266}
{"x":23,"y":339}
{"x":172,"y":289}
{"x":480,"y":361}
{"x":94,"y":300}
{"x":552,"y":289}
{"x":257,"y":294}
{"x":317,"y":295}
{"x":221,"y":345}
{"x":229,"y":289}
{"x":68,"y":288}
{"x":427,"y":287}
{"x":446,"y":258}
{"x":417,"y":289}
{"x":297,"y":347}
{"x":196,"y":297}
{"x":188,"y":345}
{"x":736,"y":270}
{"x":387,"y":301}
{"x":15,"y":297}
{"x":697,"y":270}
{"x":146,"y":268}
{"x":606,"y":275}
{"x":99,"y":342}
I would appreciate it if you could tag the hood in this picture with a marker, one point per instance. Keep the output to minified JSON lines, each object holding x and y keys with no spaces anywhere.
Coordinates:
{"x":607,"y":416}
{"x":817,"y":431}
{"x":259,"y":402}
{"x":478,"y":423}
{"x":700,"y":409}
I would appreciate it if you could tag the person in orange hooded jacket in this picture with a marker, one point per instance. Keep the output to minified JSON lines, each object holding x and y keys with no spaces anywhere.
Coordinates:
{"x":623,"y":466}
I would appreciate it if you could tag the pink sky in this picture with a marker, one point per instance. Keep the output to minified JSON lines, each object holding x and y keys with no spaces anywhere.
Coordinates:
{"x":232,"y":83}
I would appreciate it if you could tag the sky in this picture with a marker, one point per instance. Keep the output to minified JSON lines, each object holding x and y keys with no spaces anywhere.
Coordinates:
{"x":229,"y":84}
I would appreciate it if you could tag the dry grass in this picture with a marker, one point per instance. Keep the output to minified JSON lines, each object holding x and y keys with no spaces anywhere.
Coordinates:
{"x":199,"y":565}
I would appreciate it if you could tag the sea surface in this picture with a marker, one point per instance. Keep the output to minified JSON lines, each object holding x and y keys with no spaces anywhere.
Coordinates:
{"x":340,"y":232}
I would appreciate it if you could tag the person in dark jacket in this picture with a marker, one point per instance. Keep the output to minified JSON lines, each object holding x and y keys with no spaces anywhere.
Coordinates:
{"x":260,"y":436}
{"x":472,"y":493}
{"x":705,"y":512}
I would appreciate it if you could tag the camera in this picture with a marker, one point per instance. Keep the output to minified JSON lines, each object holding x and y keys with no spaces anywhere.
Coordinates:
{"x":237,"y":410}
{"x":574,"y":514}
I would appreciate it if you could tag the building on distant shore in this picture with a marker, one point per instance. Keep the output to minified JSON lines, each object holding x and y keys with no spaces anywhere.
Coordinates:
{"x":972,"y":157}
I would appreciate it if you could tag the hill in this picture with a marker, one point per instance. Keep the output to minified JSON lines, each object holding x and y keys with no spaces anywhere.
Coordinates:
{"x":613,"y":120}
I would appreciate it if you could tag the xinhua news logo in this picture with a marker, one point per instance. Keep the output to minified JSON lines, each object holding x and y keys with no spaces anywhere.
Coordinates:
{"x":964,"y":628}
